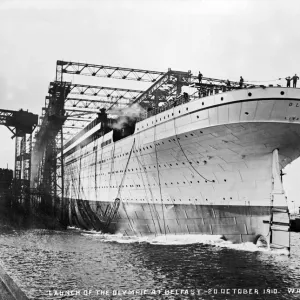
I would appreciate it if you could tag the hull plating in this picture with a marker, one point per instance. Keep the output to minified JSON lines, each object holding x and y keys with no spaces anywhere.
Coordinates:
{"x":207,"y":166}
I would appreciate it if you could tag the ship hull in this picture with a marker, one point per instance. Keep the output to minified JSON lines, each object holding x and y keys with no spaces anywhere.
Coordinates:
{"x":233,"y":223}
{"x":211,"y":166}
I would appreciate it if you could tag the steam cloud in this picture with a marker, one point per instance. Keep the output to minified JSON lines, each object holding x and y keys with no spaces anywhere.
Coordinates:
{"x":126,"y":115}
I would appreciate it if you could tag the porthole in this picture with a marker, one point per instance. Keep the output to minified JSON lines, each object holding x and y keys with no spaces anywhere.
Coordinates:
{"x":202,"y":103}
{"x":222,"y":98}
{"x":249,"y":94}
{"x":246,"y":113}
{"x":282,"y":93}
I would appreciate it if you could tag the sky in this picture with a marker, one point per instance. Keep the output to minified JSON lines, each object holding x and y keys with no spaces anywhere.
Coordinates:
{"x":258,"y":39}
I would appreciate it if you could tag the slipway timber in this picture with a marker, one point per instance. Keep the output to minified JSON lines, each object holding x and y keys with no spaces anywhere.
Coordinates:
{"x":183,"y":156}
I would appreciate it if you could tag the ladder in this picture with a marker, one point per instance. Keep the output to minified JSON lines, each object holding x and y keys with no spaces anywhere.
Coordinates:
{"x":279,"y":228}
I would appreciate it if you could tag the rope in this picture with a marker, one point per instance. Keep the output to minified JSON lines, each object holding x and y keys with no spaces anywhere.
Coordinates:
{"x":112,"y":165}
{"x":263,"y":80}
{"x":95,"y":161}
{"x":120,"y":186}
{"x":159,"y":183}
{"x":177,"y":138}
{"x":148,"y":202}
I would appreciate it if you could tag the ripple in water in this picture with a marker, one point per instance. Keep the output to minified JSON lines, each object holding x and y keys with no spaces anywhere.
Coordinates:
{"x":41,"y":261}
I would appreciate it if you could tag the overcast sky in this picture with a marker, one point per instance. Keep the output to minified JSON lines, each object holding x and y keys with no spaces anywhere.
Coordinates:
{"x":258,"y":39}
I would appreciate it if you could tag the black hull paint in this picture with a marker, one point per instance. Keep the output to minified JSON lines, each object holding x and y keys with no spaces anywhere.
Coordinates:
{"x":235,"y":223}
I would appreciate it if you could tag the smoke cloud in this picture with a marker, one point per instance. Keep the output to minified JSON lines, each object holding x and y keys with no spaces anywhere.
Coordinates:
{"x":126,"y":115}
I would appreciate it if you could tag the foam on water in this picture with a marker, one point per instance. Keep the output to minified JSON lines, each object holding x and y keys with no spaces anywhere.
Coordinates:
{"x":184,"y":239}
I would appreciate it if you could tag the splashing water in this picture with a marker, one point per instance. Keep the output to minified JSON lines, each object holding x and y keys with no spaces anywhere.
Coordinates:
{"x":214,"y":240}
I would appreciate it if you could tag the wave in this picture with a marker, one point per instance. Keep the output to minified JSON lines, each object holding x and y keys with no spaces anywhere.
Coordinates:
{"x":184,"y":239}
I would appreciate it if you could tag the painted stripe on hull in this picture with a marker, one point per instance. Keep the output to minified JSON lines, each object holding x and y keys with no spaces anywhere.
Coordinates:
{"x":235,"y":223}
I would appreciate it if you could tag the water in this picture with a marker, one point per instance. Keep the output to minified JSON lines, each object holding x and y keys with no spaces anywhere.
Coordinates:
{"x":46,"y":263}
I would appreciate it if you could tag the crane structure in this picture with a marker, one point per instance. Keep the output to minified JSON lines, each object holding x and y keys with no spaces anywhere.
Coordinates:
{"x":70,"y":106}
{"x":21,"y":123}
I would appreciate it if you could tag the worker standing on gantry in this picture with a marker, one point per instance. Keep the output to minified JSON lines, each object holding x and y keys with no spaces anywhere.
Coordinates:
{"x":241,"y":82}
{"x":295,"y":78}
{"x":228,"y":85}
{"x":288,"y":81}
{"x":200,"y":77}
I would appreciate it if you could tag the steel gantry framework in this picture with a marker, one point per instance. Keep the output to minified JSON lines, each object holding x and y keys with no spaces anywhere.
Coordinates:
{"x":69,"y":107}
{"x":21,"y":123}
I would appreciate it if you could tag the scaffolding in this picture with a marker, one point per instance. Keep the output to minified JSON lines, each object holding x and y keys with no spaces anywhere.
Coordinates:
{"x":70,"y":106}
{"x":21,"y":124}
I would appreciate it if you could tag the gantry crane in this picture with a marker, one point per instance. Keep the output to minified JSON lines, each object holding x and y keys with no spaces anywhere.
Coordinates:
{"x":21,"y":123}
{"x":70,"y":106}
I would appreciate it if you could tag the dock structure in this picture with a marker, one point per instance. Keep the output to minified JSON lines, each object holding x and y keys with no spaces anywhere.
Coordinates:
{"x":9,"y":290}
{"x":70,"y":107}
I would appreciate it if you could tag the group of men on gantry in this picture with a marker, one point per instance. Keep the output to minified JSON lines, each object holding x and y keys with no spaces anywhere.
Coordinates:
{"x":228,"y":84}
{"x":241,"y":82}
{"x":289,"y":79}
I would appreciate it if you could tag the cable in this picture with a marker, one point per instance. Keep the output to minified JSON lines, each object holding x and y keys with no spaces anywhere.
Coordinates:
{"x":119,"y":188}
{"x":159,"y":183}
{"x":263,"y":80}
{"x":145,"y":171}
{"x":177,"y":138}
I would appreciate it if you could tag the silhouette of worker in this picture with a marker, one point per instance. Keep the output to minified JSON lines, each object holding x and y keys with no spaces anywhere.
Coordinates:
{"x":200,"y":77}
{"x":295,"y":78}
{"x":211,"y":88}
{"x":185,"y":96}
{"x":228,"y":85}
{"x":241,"y":81}
{"x":288,"y":81}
